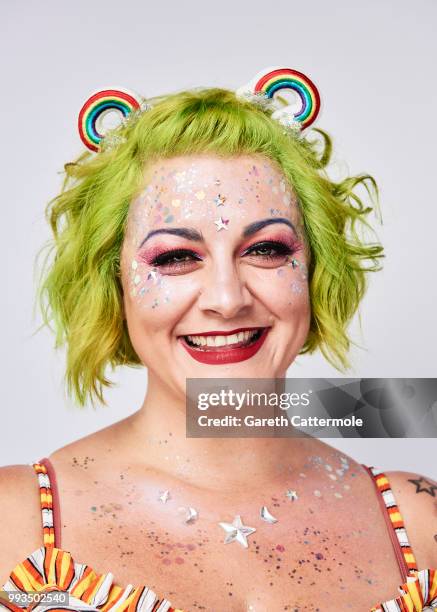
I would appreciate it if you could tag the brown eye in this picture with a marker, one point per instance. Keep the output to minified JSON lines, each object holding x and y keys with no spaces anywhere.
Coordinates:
{"x":269,"y":250}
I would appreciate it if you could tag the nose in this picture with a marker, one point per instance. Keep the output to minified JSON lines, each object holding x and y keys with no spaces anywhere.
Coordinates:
{"x":224,"y":292}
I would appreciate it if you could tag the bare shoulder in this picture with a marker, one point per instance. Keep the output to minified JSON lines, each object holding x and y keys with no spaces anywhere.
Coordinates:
{"x":21,"y":525}
{"x":416,"y":496}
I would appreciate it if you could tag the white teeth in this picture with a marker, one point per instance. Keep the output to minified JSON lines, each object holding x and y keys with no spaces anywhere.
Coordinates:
{"x":222,"y":340}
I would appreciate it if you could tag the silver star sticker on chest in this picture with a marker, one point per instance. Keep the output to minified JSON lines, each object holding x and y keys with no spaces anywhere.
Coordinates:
{"x":237,"y":531}
{"x":292,"y":495}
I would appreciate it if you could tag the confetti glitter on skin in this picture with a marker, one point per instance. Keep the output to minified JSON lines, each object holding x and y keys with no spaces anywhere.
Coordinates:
{"x":266,"y":516}
{"x":292,"y":495}
{"x":173,"y":193}
{"x":163,"y":497}
{"x":83,"y":464}
{"x":219,"y":200}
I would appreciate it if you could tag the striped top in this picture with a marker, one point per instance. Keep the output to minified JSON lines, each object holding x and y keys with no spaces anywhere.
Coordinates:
{"x":50,"y":568}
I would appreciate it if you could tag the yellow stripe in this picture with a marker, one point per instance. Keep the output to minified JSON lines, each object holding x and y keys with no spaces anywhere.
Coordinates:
{"x":47,"y":498}
{"x":381,"y":480}
{"x":396,"y":517}
{"x":413,"y":590}
{"x":25,"y":578}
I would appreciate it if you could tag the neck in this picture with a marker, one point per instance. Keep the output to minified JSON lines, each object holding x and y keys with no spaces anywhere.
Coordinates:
{"x":157,"y":440}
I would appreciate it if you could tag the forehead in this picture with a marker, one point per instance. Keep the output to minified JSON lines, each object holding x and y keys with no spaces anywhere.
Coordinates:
{"x":211,"y":170}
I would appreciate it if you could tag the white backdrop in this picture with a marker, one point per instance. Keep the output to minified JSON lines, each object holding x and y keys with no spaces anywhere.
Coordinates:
{"x":374,"y":63}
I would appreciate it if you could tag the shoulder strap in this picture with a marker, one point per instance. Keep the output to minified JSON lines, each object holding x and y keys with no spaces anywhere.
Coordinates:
{"x":51,"y":519}
{"x":395,"y":523}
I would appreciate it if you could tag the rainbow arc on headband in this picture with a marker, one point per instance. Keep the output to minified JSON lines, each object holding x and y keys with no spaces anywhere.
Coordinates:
{"x":271,"y":81}
{"x":97,"y":106}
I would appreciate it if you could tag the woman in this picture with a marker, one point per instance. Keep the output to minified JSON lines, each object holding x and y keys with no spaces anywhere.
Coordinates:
{"x":204,"y":240}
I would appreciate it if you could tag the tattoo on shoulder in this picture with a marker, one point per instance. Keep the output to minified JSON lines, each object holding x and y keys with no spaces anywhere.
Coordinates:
{"x":424,"y":486}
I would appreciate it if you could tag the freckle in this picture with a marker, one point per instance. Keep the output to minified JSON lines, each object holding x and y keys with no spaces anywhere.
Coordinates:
{"x":319,"y":556}
{"x":280,"y":548}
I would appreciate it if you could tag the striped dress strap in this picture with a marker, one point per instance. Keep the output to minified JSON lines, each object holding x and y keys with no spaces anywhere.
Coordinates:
{"x":51,"y":523}
{"x":395,"y":524}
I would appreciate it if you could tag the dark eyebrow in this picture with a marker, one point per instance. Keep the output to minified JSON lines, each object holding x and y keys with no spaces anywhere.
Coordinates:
{"x":192,"y":234}
{"x":251,"y":229}
{"x":184,"y":232}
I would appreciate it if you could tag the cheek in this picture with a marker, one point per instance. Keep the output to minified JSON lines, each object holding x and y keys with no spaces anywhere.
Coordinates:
{"x":154,"y":298}
{"x":288,"y":288}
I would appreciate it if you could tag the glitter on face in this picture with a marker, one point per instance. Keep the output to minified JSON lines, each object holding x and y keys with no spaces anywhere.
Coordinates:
{"x":219,"y":200}
{"x":296,"y":287}
{"x":317,"y":493}
{"x":221,"y":223}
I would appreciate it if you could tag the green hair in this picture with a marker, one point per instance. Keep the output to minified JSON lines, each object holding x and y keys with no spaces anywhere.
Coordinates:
{"x":79,"y":290}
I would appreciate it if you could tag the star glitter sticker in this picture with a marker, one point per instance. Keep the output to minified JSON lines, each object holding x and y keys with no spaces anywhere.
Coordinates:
{"x":421,"y":489}
{"x":237,"y":531}
{"x":292,"y":495}
{"x":267,"y":516}
{"x":220,"y":200}
{"x":164,"y":496}
{"x":153,"y":275}
{"x":221,"y":223}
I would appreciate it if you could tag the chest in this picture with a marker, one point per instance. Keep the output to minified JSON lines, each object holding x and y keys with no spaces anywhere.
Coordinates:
{"x":312,"y":559}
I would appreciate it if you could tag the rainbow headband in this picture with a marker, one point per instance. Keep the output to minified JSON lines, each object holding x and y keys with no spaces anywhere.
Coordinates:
{"x":271,"y":81}
{"x":97,"y":107}
{"x":262,"y":90}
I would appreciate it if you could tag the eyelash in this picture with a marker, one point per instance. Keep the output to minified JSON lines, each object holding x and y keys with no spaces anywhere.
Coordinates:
{"x":165,"y":259}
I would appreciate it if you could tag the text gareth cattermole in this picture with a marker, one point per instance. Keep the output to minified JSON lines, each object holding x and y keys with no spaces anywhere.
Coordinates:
{"x":228,"y":397}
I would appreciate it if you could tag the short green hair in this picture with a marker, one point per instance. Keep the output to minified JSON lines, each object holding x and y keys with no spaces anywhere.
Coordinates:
{"x":79,"y":289}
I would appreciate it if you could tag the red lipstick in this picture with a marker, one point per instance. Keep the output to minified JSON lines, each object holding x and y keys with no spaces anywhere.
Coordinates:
{"x":218,"y":355}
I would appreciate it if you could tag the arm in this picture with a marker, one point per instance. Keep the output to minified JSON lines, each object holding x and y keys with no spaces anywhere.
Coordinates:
{"x":20,"y":524}
{"x":416,"y":496}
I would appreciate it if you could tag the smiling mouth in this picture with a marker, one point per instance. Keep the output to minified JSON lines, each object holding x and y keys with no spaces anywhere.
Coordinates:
{"x":219,"y":348}
{"x":219,"y":342}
